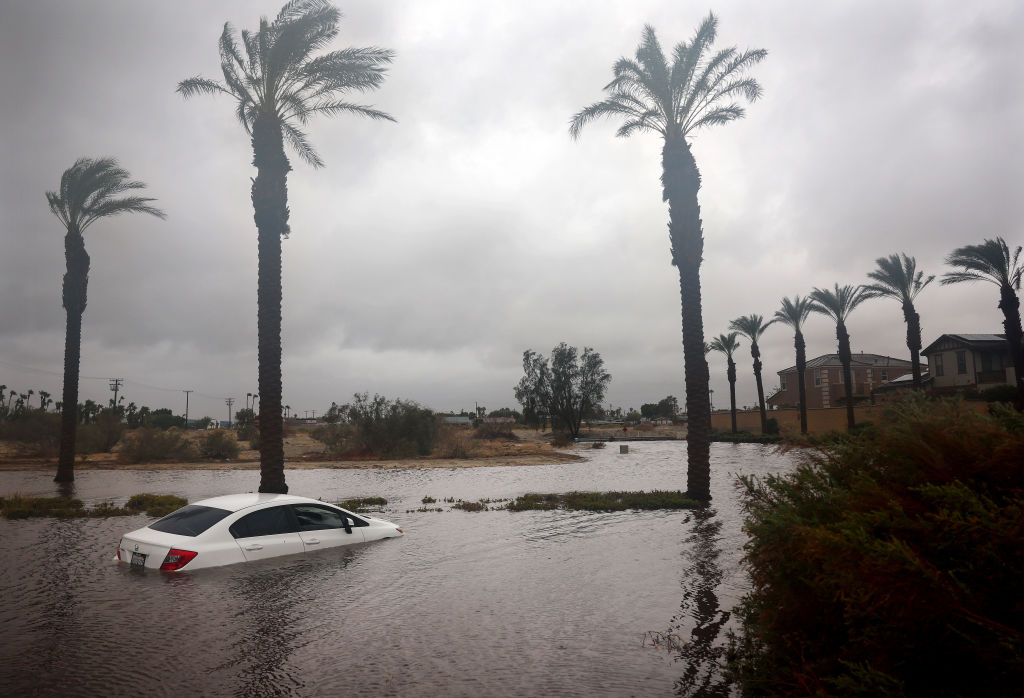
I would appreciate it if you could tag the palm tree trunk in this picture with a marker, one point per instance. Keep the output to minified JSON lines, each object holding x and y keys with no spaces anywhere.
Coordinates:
{"x":801,"y":381}
{"x":755,"y":351}
{"x":680,"y":184}
{"x":76,"y":281}
{"x":731,"y":373}
{"x":913,"y":321}
{"x":1009,"y":303}
{"x":845,"y":357}
{"x":270,"y":206}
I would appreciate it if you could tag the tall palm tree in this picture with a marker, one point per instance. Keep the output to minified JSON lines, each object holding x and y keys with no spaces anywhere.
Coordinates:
{"x":991,"y":261}
{"x":675,"y":99}
{"x":838,"y":305}
{"x":89,"y":190}
{"x":900,"y":280}
{"x":794,"y":313}
{"x":278,"y":85}
{"x":727,"y":344}
{"x":752,"y":327}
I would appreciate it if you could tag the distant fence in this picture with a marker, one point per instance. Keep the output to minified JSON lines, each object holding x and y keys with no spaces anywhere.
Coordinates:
{"x":819,"y":421}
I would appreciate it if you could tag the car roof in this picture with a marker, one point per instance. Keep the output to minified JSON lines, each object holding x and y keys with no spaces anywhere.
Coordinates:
{"x":237,"y":502}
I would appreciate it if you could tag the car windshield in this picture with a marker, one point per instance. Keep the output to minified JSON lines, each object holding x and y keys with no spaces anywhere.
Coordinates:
{"x":190,"y":520}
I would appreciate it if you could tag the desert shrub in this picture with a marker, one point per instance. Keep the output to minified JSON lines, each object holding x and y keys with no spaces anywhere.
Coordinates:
{"x":219,"y":444}
{"x":36,"y":432}
{"x":247,"y":432}
{"x":428,"y":500}
{"x":561,"y":439}
{"x":100,"y":436}
{"x":334,"y":437}
{"x":390,"y":429}
{"x":889,"y":563}
{"x":148,"y":445}
{"x":469,"y":506}
{"x":18,"y":507}
{"x":494,"y":432}
{"x":772,"y":426}
{"x":452,"y":442}
{"x":598,"y":444}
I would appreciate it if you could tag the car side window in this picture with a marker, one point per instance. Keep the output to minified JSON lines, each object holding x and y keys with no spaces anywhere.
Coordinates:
{"x":265,"y":522}
{"x":318,"y":518}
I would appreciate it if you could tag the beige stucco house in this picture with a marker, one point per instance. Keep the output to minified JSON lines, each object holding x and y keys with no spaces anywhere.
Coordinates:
{"x":969,"y":362}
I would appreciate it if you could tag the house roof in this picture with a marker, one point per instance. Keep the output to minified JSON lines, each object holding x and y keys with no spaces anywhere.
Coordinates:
{"x":904,"y":381}
{"x":859,"y":360}
{"x":970,"y":341}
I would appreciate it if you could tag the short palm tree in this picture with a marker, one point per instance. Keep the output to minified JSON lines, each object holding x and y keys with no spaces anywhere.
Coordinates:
{"x":897,"y":277}
{"x":752,"y":327}
{"x":838,"y":305}
{"x":992,"y":261}
{"x":727,"y":344}
{"x":794,"y":313}
{"x":675,"y":98}
{"x":278,"y":85}
{"x":89,"y":190}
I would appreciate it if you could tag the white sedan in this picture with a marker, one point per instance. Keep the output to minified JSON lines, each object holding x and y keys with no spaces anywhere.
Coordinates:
{"x":244,"y":527}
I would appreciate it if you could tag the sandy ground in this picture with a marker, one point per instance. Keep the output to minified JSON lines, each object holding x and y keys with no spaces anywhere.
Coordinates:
{"x":302,"y":452}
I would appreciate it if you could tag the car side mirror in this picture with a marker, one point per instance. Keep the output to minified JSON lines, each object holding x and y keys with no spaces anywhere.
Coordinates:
{"x":345,"y":522}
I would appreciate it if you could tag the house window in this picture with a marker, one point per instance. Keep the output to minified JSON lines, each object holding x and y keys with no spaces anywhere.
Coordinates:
{"x":817,"y":377}
{"x":961,"y":362}
{"x":782,"y":382}
{"x":937,"y":364}
{"x":885,"y":374}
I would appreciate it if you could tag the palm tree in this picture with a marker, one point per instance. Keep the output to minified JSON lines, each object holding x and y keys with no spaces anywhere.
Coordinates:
{"x":752,"y":327}
{"x":278,"y":85}
{"x":727,"y":344}
{"x":838,"y":305}
{"x":900,"y":280}
{"x":991,"y":261}
{"x":794,"y":313}
{"x":89,"y":190}
{"x":675,"y":99}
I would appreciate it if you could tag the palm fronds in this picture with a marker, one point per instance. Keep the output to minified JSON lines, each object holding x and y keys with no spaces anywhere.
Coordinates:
{"x":897,"y":277}
{"x":990,"y":261}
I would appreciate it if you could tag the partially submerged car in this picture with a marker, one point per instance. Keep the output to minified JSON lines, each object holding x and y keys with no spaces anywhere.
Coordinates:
{"x":245,"y":527}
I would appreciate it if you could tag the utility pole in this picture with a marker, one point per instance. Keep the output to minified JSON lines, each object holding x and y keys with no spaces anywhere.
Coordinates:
{"x":229,"y":402}
{"x":186,"y":405}
{"x":115,"y":383}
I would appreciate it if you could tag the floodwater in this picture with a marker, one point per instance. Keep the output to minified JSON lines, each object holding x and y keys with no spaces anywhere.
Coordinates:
{"x":466,"y":604}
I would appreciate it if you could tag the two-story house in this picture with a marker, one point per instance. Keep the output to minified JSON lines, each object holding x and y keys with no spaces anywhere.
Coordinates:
{"x":823,"y":379}
{"x":969,"y":362}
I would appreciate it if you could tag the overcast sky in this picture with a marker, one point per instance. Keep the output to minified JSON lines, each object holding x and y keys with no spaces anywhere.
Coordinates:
{"x":430,"y":253}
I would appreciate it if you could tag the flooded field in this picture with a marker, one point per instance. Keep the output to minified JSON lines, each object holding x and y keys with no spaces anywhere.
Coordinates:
{"x":466,"y":604}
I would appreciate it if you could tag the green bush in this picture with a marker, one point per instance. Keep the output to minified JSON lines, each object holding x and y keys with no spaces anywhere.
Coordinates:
{"x":772,"y":426}
{"x":1000,"y":393}
{"x":890,"y":562}
{"x":219,"y":445}
{"x":148,"y":445}
{"x":381,"y":428}
{"x":334,"y":437}
{"x":36,"y":432}
{"x":100,"y":436}
{"x":18,"y":507}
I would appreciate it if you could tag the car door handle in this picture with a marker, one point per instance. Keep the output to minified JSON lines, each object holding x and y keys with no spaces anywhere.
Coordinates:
{"x":254,"y":546}
{"x":313,"y":541}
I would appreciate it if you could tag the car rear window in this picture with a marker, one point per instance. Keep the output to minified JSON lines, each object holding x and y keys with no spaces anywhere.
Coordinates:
{"x":190,"y":520}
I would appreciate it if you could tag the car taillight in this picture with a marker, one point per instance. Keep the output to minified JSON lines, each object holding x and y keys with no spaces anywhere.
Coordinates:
{"x":176,"y":559}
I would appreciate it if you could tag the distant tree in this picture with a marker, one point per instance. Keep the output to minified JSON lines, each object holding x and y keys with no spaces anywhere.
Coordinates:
{"x":992,"y":261}
{"x":245,"y":417}
{"x":676,"y":98}
{"x":794,"y":313}
{"x":838,"y":305}
{"x":900,"y":280}
{"x":203,"y":422}
{"x":752,"y":327}
{"x":89,"y":190}
{"x":506,"y":412}
{"x":727,"y":344}
{"x":163,"y":419}
{"x":278,"y":85}
{"x":570,"y":390}
{"x":534,"y":389}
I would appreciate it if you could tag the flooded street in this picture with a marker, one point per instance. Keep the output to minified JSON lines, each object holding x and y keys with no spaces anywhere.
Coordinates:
{"x":466,"y":604}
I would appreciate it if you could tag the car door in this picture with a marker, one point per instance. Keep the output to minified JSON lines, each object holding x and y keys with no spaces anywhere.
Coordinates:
{"x":267,"y":533}
{"x":321,"y":526}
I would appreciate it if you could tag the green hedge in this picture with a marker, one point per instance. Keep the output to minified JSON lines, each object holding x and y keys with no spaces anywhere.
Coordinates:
{"x":890,"y":563}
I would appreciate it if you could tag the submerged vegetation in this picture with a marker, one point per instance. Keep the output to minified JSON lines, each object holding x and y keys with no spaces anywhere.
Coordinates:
{"x":604,"y":501}
{"x":889,"y":562}
{"x":363,"y":504}
{"x":155,"y":505}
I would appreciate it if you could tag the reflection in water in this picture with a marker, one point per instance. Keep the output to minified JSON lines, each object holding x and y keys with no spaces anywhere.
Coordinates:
{"x":66,"y":489}
{"x":700,"y":611}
